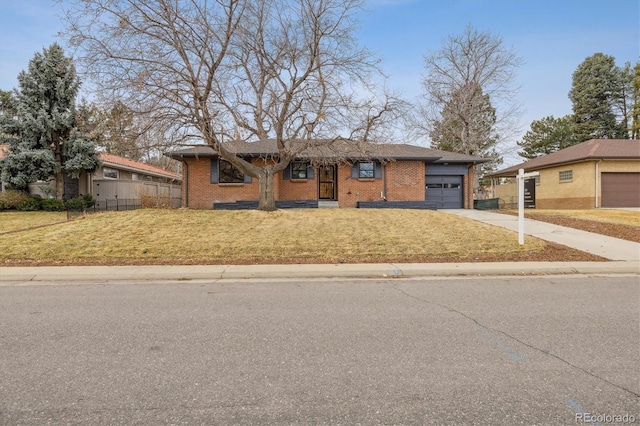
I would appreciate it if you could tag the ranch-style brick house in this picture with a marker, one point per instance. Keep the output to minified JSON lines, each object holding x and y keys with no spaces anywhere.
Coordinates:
{"x":592,"y":174}
{"x":397,"y":175}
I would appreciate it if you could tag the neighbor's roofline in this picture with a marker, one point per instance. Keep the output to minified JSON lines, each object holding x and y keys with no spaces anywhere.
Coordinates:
{"x":513,"y":170}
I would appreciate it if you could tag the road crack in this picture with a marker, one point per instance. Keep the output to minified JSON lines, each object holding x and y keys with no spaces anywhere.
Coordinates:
{"x":514,"y":338}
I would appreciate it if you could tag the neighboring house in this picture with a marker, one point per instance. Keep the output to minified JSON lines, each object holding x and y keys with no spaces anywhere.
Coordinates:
{"x":396,"y":175}
{"x":122,"y":178}
{"x":117,"y":178}
{"x":595,"y":173}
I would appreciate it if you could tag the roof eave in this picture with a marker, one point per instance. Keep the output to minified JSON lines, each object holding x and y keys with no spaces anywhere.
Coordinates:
{"x":136,"y":170}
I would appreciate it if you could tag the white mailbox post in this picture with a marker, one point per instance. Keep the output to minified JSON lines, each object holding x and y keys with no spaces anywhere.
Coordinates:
{"x":521,"y":177}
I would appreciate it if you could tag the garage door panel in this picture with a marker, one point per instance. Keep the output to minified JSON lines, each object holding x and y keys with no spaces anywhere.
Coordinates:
{"x":445,"y":191}
{"x":620,"y":189}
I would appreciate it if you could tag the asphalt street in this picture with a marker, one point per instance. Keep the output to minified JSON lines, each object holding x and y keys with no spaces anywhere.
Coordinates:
{"x":486,"y":350}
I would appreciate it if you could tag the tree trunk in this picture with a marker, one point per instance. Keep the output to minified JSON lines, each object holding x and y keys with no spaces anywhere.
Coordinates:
{"x":267,"y":200}
{"x":59,"y":185}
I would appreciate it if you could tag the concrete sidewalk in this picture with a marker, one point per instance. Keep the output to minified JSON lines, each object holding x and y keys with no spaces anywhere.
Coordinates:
{"x":56,"y":275}
{"x":624,"y":254}
{"x":600,"y":245}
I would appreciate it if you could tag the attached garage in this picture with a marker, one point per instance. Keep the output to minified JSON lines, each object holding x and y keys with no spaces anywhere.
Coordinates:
{"x":444,"y":185}
{"x":620,"y":189}
{"x":445,"y":191}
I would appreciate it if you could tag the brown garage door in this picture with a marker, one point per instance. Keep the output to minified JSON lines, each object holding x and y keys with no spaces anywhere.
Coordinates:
{"x":620,"y":189}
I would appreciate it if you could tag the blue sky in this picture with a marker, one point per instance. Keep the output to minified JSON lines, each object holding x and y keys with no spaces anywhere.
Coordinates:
{"x":552,"y":37}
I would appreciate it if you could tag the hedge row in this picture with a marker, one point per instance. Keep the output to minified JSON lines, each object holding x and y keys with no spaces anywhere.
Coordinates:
{"x":22,"y":201}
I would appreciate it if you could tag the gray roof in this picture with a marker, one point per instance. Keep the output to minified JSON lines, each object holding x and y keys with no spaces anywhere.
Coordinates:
{"x":590,"y":150}
{"x":333,"y":150}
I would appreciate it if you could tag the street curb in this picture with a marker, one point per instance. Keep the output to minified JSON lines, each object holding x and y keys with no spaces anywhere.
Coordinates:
{"x":112,"y":274}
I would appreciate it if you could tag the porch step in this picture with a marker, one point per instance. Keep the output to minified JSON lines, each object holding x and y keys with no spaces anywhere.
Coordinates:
{"x":327,"y":204}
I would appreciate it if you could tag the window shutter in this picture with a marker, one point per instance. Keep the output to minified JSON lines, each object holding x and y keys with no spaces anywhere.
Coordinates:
{"x":355,"y":172}
{"x":377,"y":173}
{"x":215,"y":176}
{"x":310,"y":174}
{"x":286,"y":173}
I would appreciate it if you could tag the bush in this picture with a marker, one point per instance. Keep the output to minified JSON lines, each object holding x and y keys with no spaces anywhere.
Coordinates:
{"x":30,"y":204}
{"x":81,"y":203}
{"x":12,"y":199}
{"x":52,"y":205}
{"x":89,"y":201}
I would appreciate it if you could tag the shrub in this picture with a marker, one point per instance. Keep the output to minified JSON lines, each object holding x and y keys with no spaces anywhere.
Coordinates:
{"x":81,"y":203}
{"x":30,"y":204}
{"x":89,"y":201}
{"x":52,"y":205}
{"x":12,"y":199}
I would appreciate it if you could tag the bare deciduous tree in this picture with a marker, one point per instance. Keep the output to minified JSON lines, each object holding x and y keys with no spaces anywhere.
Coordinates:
{"x":225,"y":70}
{"x":470,"y":69}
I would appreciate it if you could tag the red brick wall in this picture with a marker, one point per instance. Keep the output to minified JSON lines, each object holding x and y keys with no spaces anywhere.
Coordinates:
{"x":405,"y":182}
{"x":202,"y":193}
{"x":467,"y":183}
{"x":297,"y":189}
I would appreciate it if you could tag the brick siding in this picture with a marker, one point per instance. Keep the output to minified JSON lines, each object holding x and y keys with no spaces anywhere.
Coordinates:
{"x":405,"y":182}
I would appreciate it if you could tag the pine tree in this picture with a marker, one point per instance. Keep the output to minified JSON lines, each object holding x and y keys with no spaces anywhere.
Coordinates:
{"x":466,"y":126}
{"x":546,"y":136}
{"x":42,"y":136}
{"x":594,"y":93}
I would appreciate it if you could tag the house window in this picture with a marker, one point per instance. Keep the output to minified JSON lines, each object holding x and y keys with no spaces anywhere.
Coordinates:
{"x":366,"y":170}
{"x":108,"y":173}
{"x":566,"y":176}
{"x":298,"y":170}
{"x":134,"y":176}
{"x":230,"y":173}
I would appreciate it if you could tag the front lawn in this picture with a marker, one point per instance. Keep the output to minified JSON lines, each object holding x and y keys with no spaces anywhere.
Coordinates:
{"x":13,"y":220}
{"x":285,"y":236}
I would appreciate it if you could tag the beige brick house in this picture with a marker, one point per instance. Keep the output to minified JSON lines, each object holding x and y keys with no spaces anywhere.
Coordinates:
{"x":592,"y":174}
{"x":398,"y":175}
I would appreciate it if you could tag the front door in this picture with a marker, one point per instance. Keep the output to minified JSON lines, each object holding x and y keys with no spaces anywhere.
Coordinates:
{"x":327,"y":182}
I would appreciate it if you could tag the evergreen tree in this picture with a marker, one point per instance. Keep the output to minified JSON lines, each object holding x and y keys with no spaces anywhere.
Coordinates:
{"x":466,"y":126}
{"x":635,"y":108}
{"x":546,"y":136}
{"x":594,"y":92}
{"x":42,"y":136}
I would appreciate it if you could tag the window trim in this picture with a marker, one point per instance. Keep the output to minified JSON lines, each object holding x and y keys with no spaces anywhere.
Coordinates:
{"x":106,"y":170}
{"x":370,"y":173}
{"x":295,"y":174}
{"x":565,"y":176}
{"x":237,"y":179}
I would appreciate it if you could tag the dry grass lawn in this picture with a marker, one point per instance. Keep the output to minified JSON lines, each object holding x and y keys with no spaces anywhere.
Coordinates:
{"x":244,"y":237}
{"x":621,"y":217}
{"x":11,"y":220}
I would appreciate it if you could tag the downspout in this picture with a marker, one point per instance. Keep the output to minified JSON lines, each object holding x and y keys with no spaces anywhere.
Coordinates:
{"x":471,"y":183}
{"x":597,"y":180}
{"x":185,"y":180}
{"x":384,"y":181}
